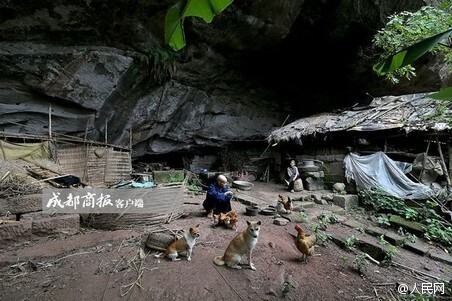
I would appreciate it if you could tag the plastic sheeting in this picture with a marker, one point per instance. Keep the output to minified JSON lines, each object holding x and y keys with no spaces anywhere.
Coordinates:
{"x":379,"y":171}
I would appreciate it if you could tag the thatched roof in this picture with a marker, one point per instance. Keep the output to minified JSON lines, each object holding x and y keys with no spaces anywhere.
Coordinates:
{"x":407,"y":112}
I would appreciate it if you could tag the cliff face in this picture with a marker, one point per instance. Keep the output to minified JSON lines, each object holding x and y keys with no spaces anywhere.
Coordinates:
{"x":101,"y":66}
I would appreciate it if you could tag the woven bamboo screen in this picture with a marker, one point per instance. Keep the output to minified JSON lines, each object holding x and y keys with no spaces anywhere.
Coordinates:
{"x":167,"y":204}
{"x":95,"y":165}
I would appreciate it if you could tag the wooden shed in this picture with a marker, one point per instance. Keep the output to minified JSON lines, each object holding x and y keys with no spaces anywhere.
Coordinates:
{"x":401,"y":126}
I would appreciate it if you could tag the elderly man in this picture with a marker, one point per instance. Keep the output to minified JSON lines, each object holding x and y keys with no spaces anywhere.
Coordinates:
{"x":218,"y":198}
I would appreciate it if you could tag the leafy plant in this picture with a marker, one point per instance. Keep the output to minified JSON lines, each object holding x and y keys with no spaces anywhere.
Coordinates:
{"x":407,"y":36}
{"x":174,"y":178}
{"x":322,"y":236}
{"x":390,"y":250}
{"x":383,"y":220}
{"x":411,"y":237}
{"x":411,"y":214}
{"x":350,"y":242}
{"x":303,"y":217}
{"x":174,"y":19}
{"x":326,"y":219}
{"x":442,"y":112}
{"x":435,"y":230}
{"x":344,"y":259}
{"x":195,"y":188}
{"x":286,"y":287}
{"x":379,"y":200}
{"x":161,"y":64}
{"x":360,"y":263}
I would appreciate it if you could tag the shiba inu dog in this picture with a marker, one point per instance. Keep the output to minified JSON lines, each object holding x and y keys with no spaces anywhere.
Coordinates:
{"x":242,"y":244}
{"x":185,"y":243}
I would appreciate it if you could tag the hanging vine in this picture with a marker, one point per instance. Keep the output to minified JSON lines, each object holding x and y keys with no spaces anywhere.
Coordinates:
{"x":161,"y":64}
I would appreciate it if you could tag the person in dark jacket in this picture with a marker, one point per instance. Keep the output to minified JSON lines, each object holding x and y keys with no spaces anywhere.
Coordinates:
{"x":218,"y":197}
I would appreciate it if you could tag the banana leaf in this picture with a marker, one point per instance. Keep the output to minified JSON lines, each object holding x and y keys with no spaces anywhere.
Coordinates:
{"x":444,"y":94}
{"x":408,"y":55}
{"x":174,"y":19}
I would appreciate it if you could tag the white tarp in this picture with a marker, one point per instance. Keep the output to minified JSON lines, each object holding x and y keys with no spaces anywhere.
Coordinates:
{"x":379,"y":171}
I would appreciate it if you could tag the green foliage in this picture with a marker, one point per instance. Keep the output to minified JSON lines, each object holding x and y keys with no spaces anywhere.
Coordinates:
{"x":442,"y":112}
{"x":407,"y":36}
{"x":303,"y":217}
{"x":379,"y":200}
{"x":322,"y":236}
{"x":383,"y":220}
{"x":411,"y":214}
{"x":437,"y":230}
{"x":195,"y":188}
{"x":344,"y":259}
{"x":410,"y":237}
{"x":161,"y":64}
{"x":390,"y":250}
{"x":174,"y":19}
{"x":360,"y":263}
{"x":444,"y":94}
{"x":174,"y":178}
{"x":286,"y":287}
{"x":350,"y":242}
{"x":325,"y":219}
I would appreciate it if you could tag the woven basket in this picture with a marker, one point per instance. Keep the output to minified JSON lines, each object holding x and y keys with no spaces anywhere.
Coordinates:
{"x":159,"y":241}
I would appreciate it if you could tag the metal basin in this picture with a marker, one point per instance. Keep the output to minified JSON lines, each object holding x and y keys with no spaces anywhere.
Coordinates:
{"x":242,"y":185}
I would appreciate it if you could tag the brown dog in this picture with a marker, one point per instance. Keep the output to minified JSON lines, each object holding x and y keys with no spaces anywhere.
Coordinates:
{"x":185,"y":243}
{"x":242,"y":244}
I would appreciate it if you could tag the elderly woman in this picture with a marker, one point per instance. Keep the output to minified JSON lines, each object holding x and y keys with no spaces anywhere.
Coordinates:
{"x":218,"y":197}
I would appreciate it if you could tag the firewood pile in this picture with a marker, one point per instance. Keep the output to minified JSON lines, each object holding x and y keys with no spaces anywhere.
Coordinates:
{"x":14,"y":180}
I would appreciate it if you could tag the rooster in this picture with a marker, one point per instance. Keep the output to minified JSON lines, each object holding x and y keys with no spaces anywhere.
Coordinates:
{"x":304,"y":244}
{"x":286,"y":202}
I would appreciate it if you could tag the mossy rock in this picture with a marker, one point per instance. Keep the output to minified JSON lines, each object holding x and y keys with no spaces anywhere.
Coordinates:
{"x":411,"y":226}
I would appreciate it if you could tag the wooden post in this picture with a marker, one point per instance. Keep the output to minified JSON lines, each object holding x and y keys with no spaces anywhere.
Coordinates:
{"x":130,"y":139}
{"x":449,"y":144}
{"x":86,"y":130}
{"x":50,"y":121}
{"x":443,"y":163}
{"x":424,"y":159}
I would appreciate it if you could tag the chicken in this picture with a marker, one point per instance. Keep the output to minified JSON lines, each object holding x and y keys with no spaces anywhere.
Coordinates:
{"x":233,"y":219}
{"x":286,"y":202}
{"x":304,"y":244}
{"x":228,"y":220}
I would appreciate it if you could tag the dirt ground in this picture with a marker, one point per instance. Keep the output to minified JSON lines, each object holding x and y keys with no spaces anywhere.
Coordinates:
{"x":106,"y":265}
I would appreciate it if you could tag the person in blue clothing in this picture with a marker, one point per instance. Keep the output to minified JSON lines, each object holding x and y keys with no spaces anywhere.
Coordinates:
{"x":218,"y":197}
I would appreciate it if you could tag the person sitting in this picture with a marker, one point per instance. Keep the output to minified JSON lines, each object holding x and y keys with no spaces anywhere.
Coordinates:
{"x":292,"y":172}
{"x":218,"y":197}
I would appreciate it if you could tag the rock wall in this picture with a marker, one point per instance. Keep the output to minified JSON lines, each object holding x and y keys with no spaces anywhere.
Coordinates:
{"x":87,"y":60}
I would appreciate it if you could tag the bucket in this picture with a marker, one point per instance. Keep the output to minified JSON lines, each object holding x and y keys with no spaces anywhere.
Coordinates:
{"x":251,"y":210}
